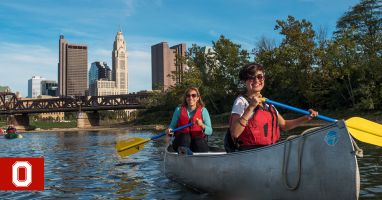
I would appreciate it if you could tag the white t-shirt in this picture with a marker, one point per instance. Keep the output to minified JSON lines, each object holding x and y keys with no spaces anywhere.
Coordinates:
{"x":241,"y":104}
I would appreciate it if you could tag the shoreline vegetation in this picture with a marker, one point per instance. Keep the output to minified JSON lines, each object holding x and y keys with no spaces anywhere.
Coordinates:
{"x":218,"y":122}
{"x":156,"y":127}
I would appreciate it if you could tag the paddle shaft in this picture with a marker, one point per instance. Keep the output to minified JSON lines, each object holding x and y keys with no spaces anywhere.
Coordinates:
{"x":176,"y":129}
{"x":361,"y":129}
{"x":305,"y":112}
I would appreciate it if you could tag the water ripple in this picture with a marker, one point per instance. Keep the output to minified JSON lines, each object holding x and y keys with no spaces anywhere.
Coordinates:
{"x":84,"y":165}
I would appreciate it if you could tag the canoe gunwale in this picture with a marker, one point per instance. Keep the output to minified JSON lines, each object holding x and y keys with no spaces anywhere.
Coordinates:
{"x":250,"y":151}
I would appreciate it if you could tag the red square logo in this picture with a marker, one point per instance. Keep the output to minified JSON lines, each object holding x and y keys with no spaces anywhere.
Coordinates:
{"x":22,"y":173}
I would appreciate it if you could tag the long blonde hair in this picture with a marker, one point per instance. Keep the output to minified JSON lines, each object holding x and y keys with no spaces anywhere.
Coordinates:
{"x":200,"y":101}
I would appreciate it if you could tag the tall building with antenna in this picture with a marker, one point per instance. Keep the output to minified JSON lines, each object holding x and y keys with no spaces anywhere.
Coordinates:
{"x":119,"y":63}
{"x":119,"y":81}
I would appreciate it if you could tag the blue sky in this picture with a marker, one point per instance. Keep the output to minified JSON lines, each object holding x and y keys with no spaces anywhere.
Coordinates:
{"x":30,"y":29}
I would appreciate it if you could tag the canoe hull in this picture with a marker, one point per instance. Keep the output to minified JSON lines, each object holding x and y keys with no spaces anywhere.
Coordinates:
{"x":328,"y":168}
{"x":12,"y":136}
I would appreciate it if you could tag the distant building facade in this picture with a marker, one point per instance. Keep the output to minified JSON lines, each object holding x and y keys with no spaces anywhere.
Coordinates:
{"x":72,"y":68}
{"x":49,"y":88}
{"x":102,"y":80}
{"x":102,"y":88}
{"x":99,"y":71}
{"x":34,"y":86}
{"x":119,"y":58}
{"x":163,"y":62}
{"x":5,"y":89}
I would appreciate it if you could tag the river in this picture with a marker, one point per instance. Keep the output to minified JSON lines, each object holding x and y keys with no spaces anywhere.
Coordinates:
{"x":84,"y":165}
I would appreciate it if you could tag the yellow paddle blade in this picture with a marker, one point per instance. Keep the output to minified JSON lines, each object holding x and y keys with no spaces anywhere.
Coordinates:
{"x":130,"y":146}
{"x":365,"y":130}
{"x":365,"y":125}
{"x":365,"y":137}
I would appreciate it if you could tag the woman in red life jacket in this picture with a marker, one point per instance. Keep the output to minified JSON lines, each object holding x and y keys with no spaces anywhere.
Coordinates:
{"x":191,"y":110}
{"x":253,"y":123}
{"x":11,"y":129}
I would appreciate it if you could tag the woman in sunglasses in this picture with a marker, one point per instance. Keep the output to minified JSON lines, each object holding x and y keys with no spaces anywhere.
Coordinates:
{"x":192,"y":110}
{"x":254,"y":123}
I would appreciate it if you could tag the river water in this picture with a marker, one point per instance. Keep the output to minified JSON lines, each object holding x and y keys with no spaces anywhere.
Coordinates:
{"x":84,"y":165}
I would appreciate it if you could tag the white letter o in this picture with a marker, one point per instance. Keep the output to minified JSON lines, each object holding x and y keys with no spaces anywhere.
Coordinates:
{"x":15,"y":174}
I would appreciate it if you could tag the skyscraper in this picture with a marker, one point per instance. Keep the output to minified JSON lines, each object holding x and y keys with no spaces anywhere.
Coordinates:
{"x":72,"y":68}
{"x":99,"y":71}
{"x":163,"y":62}
{"x":34,"y":86}
{"x":49,"y":88}
{"x":100,"y":83}
{"x":100,"y":80}
{"x":119,"y":58}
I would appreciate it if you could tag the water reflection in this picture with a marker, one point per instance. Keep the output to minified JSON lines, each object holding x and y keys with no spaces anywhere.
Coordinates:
{"x":85,"y":165}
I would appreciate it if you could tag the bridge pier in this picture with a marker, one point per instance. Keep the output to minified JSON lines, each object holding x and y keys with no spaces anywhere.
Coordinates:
{"x":19,"y":121}
{"x":85,"y":120}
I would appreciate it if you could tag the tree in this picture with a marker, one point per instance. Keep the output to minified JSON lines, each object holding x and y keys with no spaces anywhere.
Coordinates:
{"x":217,"y":72}
{"x":362,"y":26}
{"x":289,"y":67}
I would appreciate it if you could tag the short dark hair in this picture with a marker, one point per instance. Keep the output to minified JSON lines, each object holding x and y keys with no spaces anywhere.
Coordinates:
{"x":249,"y":71}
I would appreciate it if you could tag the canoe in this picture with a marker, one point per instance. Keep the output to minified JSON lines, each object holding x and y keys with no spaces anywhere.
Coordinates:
{"x":320,"y":164}
{"x":13,"y":136}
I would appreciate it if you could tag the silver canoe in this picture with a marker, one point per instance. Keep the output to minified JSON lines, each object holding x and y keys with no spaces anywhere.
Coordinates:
{"x":320,"y":164}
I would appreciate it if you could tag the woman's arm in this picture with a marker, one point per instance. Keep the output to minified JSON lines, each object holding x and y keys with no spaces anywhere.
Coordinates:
{"x":293,"y":123}
{"x":206,"y":125}
{"x":237,"y":122}
{"x":174,"y":120}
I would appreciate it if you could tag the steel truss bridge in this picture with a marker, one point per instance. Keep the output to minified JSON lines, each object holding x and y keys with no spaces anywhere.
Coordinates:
{"x":10,"y":104}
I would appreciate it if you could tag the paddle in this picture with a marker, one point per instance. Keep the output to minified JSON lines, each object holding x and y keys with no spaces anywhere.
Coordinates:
{"x":133,"y":145}
{"x":362,"y":129}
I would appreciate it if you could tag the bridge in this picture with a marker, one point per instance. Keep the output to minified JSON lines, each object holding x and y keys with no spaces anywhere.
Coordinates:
{"x":17,"y":109}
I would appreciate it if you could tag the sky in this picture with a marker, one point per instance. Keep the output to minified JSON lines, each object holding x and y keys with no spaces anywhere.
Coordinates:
{"x":30,"y":30}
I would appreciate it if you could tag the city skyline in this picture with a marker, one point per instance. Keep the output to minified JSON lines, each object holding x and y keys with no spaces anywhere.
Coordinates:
{"x":29,"y":30}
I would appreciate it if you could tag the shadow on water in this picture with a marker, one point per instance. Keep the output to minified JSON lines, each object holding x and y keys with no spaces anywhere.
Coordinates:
{"x":85,"y":165}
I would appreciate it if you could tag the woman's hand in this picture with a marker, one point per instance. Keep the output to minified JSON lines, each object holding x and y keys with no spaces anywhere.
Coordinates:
{"x":255,"y":101}
{"x":169,"y":131}
{"x":200,"y":123}
{"x":313,"y":114}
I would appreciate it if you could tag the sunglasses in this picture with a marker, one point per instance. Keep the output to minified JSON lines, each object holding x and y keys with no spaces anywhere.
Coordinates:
{"x":191,"y":95}
{"x":260,"y":77}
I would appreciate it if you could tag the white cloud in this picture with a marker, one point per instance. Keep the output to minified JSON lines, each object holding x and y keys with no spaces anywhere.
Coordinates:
{"x":19,"y":62}
{"x":100,"y":55}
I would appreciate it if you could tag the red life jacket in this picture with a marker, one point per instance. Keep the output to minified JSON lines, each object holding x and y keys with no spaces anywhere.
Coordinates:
{"x":194,"y":130}
{"x":262,"y":128}
{"x":11,"y":130}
